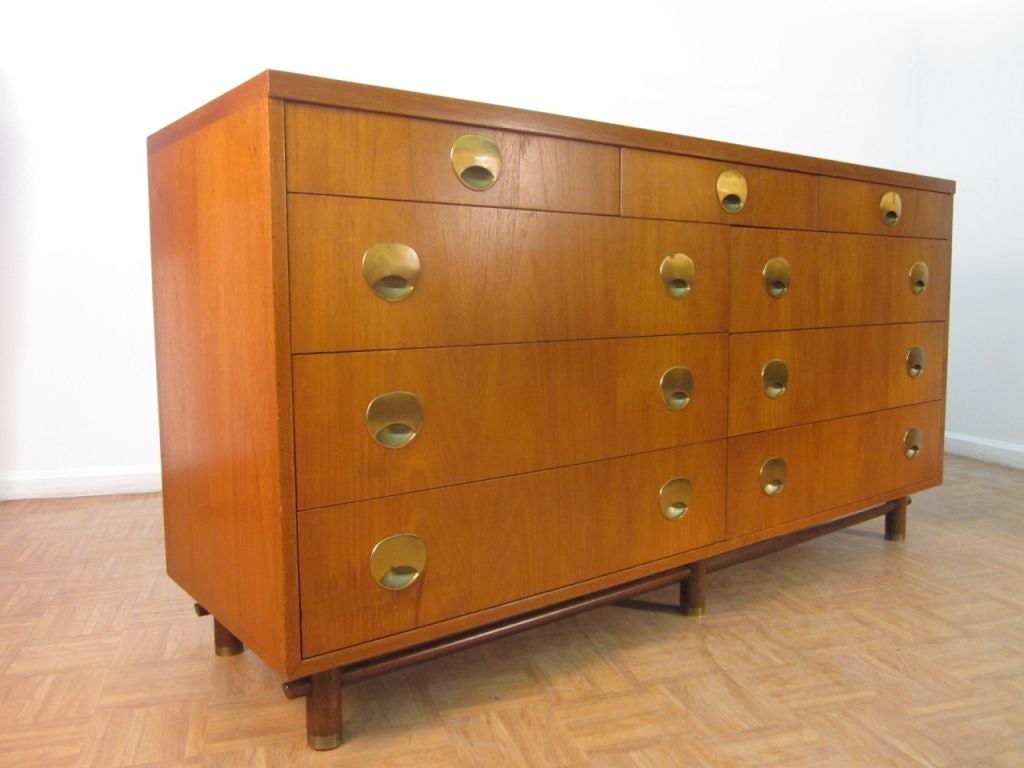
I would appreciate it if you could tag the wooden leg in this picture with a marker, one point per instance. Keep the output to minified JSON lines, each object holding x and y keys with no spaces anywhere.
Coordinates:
{"x":323,"y":710}
{"x":691,"y":591}
{"x":225,"y":643}
{"x":896,"y":522}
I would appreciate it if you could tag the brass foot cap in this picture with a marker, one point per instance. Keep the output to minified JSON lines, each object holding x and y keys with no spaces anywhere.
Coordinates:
{"x":896,"y":537}
{"x":332,"y":741}
{"x":695,"y":613}
{"x":228,"y":650}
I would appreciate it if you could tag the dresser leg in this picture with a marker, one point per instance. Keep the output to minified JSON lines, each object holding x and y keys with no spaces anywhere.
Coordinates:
{"x":896,"y":521}
{"x":225,"y":643}
{"x":323,"y":710}
{"x":691,"y":591}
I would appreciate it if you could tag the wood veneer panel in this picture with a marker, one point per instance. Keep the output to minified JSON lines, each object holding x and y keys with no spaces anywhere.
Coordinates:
{"x":497,"y":410}
{"x":832,"y":372}
{"x":343,"y":152}
{"x":318,"y":90}
{"x":664,"y":186}
{"x":853,"y":206}
{"x":491,"y":275}
{"x":831,"y":464}
{"x":224,"y":411}
{"x":491,"y":542}
{"x":836,"y":280}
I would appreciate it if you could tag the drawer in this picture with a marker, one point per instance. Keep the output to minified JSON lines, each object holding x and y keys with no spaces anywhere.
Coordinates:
{"x":827,"y":373}
{"x":830,"y":464}
{"x":783,"y":279}
{"x":491,"y":411}
{"x":487,"y":275}
{"x":857,"y":206}
{"x":496,"y":541}
{"x":662,"y":186}
{"x":364,"y":154}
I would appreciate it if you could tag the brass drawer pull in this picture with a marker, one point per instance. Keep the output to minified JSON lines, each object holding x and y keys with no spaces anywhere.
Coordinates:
{"x":397,"y":561}
{"x":476,"y":161}
{"x":892,"y":208}
{"x":912,"y":442}
{"x":394,"y":418}
{"x":675,"y":498}
{"x":775,"y":378}
{"x":677,"y":273}
{"x":392,"y":270}
{"x":919,"y":277}
{"x":677,"y":387}
{"x":732,"y":190}
{"x":915,"y":361}
{"x":773,"y":476}
{"x":776,"y":276}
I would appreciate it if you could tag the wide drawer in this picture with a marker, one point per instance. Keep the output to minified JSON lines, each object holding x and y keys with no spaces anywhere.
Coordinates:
{"x":365,"y":154}
{"x":486,"y":275}
{"x":488,"y":543}
{"x":784,"y":279}
{"x":780,"y":379}
{"x":830,"y":464}
{"x":664,"y":186}
{"x":857,"y":206}
{"x":495,"y":410}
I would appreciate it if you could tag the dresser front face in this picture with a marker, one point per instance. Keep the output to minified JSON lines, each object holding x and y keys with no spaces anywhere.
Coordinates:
{"x":523,"y":365}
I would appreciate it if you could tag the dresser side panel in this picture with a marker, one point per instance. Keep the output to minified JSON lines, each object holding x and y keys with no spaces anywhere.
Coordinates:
{"x":224,"y":413}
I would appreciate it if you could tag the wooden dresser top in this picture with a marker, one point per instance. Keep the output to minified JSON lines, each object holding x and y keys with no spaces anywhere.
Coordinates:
{"x":336,"y":93}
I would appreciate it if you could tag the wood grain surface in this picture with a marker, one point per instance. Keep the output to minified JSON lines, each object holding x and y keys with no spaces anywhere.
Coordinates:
{"x":853,"y":206}
{"x":343,"y":152}
{"x":491,"y":276}
{"x":221,"y":344}
{"x":664,"y":186}
{"x":830,"y":464}
{"x":833,"y":372}
{"x":497,"y":410}
{"x":835,"y":280}
{"x":495,"y":541}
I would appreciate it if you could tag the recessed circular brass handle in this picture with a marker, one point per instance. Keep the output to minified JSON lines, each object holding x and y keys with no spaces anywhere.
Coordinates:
{"x":776,"y":276}
{"x":732,"y":190}
{"x":678,"y":274}
{"x":476,"y":161}
{"x":675,"y":498}
{"x":397,"y":561}
{"x":915,"y":362}
{"x":918,"y":277}
{"x":773,"y":476}
{"x":394,"y":418}
{"x":392,"y":270}
{"x":677,"y":387}
{"x":912,"y":443}
{"x":775,"y":378}
{"x":892,"y":208}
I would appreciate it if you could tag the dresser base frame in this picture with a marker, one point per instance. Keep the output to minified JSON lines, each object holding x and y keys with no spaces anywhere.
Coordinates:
{"x":323,"y":689}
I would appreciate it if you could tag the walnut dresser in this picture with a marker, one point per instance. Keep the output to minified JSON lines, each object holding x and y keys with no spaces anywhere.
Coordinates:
{"x":433,"y":371}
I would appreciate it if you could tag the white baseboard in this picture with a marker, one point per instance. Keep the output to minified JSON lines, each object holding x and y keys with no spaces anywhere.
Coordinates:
{"x":985,"y":449}
{"x":79,"y":482}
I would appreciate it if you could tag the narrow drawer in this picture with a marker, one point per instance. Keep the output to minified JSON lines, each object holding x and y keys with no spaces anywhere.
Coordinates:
{"x":857,"y":206}
{"x":491,"y":411}
{"x":488,"y":543}
{"x":779,"y":379}
{"x":664,"y":186}
{"x":372,"y":274}
{"x":364,"y":154}
{"x":830,"y":464}
{"x":783,"y":279}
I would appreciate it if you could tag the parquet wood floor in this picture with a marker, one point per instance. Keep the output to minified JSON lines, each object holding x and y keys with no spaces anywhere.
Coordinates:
{"x":844,"y":651}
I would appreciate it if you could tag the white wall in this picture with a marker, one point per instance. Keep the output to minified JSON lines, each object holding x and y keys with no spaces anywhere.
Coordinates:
{"x":929,"y":87}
